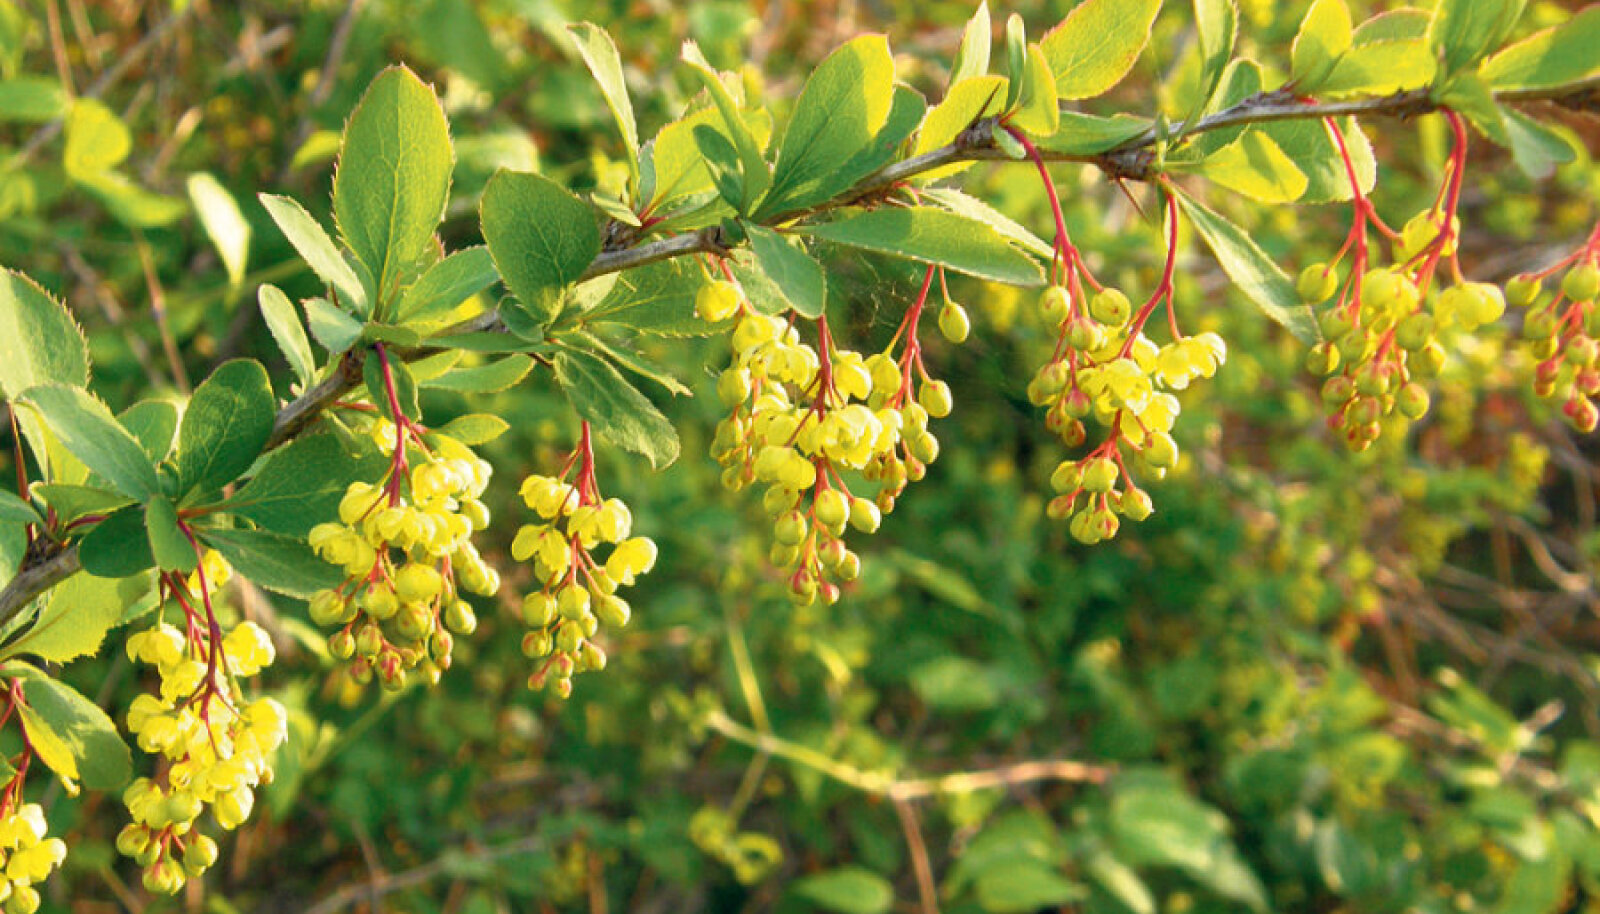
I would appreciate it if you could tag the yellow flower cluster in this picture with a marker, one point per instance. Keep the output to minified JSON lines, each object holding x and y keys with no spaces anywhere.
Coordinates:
{"x":405,"y":547}
{"x":1105,"y":367}
{"x":27,"y":857}
{"x":1381,"y":336}
{"x":1563,"y":334}
{"x":801,"y":417}
{"x":578,"y":591}
{"x":219,"y":745}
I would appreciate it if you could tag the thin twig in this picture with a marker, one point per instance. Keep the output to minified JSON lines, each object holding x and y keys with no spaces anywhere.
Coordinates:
{"x":927,"y":897}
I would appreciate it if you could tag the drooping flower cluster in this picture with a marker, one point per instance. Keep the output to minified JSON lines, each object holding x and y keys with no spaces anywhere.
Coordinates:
{"x":802,"y":417}
{"x":218,"y":744}
{"x":1106,"y":367}
{"x":1381,"y":327}
{"x":578,"y":591}
{"x":1563,"y":333}
{"x":405,"y":546}
{"x":27,"y":857}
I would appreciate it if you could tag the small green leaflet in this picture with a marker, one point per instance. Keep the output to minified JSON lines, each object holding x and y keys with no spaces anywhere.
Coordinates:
{"x":796,"y":273}
{"x":74,"y":619}
{"x":393,"y":179}
{"x":933,"y":236}
{"x":599,"y":53}
{"x":1087,"y":134}
{"x":1097,"y":44}
{"x":225,"y":225}
{"x":171,"y":549}
{"x":1324,"y":36}
{"x":972,"y":57}
{"x":1037,"y":112}
{"x":33,"y":100}
{"x":542,"y":238}
{"x":446,"y":285}
{"x":96,"y":140}
{"x":332,"y":327}
{"x":71,"y":502}
{"x":844,"y":104}
{"x":1563,"y":54}
{"x":847,"y":890}
{"x":300,"y":484}
{"x":90,"y":433}
{"x":656,"y":298}
{"x":614,"y":408}
{"x":14,"y":510}
{"x":40,"y":343}
{"x":488,"y":378}
{"x":70,"y":733}
{"x":284,"y":323}
{"x":117,"y":546}
{"x":228,"y":422}
{"x":1537,"y":148}
{"x":973,"y":208}
{"x":318,"y":251}
{"x":1251,"y":270}
{"x":1463,"y":31}
{"x":1380,"y":67}
{"x":1024,"y":886}
{"x":1217,"y":24}
{"x":475,"y":428}
{"x":1016,"y":58}
{"x":966,"y":102}
{"x":626,"y":358}
{"x":279,"y":563}
{"x":1253,"y":165}
{"x":1471,"y":97}
{"x":756,"y":174}
{"x":153,"y":423}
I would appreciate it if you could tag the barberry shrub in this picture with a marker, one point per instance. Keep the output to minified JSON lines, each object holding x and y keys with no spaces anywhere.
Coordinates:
{"x":743,"y":218}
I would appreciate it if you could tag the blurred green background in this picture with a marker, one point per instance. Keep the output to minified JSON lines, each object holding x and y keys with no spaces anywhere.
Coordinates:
{"x":1311,"y":682}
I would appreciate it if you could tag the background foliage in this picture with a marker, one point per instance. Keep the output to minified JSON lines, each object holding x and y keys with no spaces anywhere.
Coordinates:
{"x":1311,"y":681}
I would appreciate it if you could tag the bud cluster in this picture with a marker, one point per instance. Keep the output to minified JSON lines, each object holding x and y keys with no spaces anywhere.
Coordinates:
{"x":1105,"y":367}
{"x":1563,"y":333}
{"x":217,"y":744}
{"x":578,"y":591}
{"x":802,"y":417}
{"x":405,"y":546}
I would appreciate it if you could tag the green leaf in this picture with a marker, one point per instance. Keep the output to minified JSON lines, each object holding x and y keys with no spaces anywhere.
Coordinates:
{"x":617,"y":411}
{"x":224,"y":223}
{"x":171,"y":549}
{"x":1097,"y":44}
{"x":934,"y":236}
{"x":405,"y":387}
{"x":70,"y":733}
{"x":33,"y":100}
{"x":300,"y":484}
{"x":14,"y":510}
{"x":844,"y":104}
{"x":1016,"y":58}
{"x":599,"y":53}
{"x":447,"y":284}
{"x":1556,"y":56}
{"x":1463,"y":31}
{"x":636,"y":363}
{"x":279,"y":563}
{"x":73,"y":622}
{"x":1324,"y":36}
{"x":475,"y":428}
{"x":1087,"y":134}
{"x":393,"y":179}
{"x":130,"y":204}
{"x":972,"y":56}
{"x":40,"y":343}
{"x":1024,"y":886}
{"x":118,"y":546}
{"x":1537,"y":148}
{"x":1381,"y":67}
{"x":318,"y":251}
{"x":757,"y":177}
{"x":672,"y":165}
{"x":1253,"y":165}
{"x":1256,"y":276}
{"x":952,"y":683}
{"x":71,"y":502}
{"x":1309,"y":145}
{"x":336,"y":330}
{"x":1155,"y":822}
{"x":1121,"y":882}
{"x":966,"y":102}
{"x":1037,"y":112}
{"x":228,"y":422}
{"x":96,"y":140}
{"x":90,"y":433}
{"x":971,"y":207}
{"x":284,"y":323}
{"x":484,"y":379}
{"x":847,"y":890}
{"x":794,"y":271}
{"x":1217,"y":26}
{"x":391,"y":334}
{"x":1471,"y":97}
{"x":656,"y":298}
{"x":154,"y":424}
{"x":542,"y":238}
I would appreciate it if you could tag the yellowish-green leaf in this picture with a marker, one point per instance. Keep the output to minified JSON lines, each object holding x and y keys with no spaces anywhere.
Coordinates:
{"x":1097,"y":44}
{"x":1255,"y":166}
{"x":1038,"y":113}
{"x":600,"y":54}
{"x":1323,"y":38}
{"x":1553,"y":57}
{"x":97,"y":140}
{"x":1381,"y":67}
{"x":967,"y":101}
{"x":225,"y":225}
{"x":972,"y":57}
